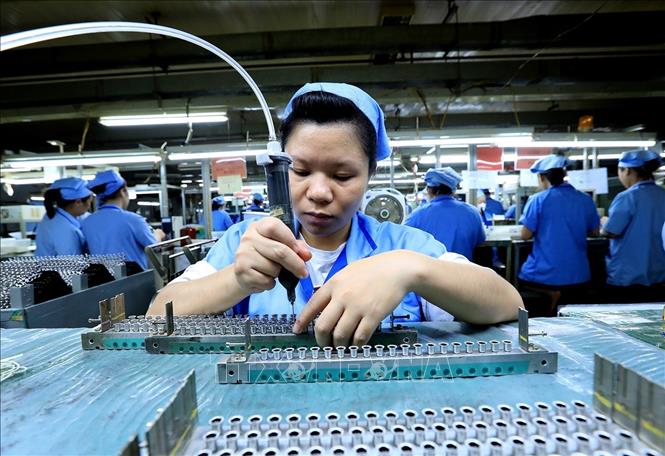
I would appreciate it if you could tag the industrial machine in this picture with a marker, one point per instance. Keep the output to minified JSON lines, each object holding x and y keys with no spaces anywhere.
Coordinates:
{"x":61,"y":292}
{"x":385,"y":205}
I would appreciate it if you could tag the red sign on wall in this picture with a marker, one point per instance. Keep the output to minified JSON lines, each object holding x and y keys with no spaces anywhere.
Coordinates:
{"x":527,"y":156}
{"x":489,"y":158}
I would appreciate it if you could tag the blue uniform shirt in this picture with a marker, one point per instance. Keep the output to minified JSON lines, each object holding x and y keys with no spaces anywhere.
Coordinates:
{"x":455,"y":224}
{"x":221,"y":220}
{"x":492,"y":207}
{"x":636,"y":216}
{"x":60,"y":235}
{"x":255,"y":208}
{"x":367,"y":238}
{"x":560,"y":218}
{"x":510,"y":212}
{"x":114,"y":230}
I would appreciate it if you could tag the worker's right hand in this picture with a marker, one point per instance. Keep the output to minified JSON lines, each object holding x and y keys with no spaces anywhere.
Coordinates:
{"x":266,"y":247}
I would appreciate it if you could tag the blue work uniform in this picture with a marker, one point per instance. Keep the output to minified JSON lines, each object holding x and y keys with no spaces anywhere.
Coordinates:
{"x":60,"y":235}
{"x":221,"y":221}
{"x":115,"y":230}
{"x":367,"y":238}
{"x":455,"y":224}
{"x":255,"y":208}
{"x":492,"y":207}
{"x":510,"y":212}
{"x":636,"y":216}
{"x":560,"y":218}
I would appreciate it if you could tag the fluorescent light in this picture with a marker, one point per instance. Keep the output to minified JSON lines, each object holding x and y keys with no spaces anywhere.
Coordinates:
{"x":186,"y":181}
{"x":183,"y":185}
{"x":590,"y":157}
{"x":38,"y":180}
{"x":163,"y":119}
{"x":37,"y":198}
{"x":192,"y":156}
{"x":591,"y":143}
{"x":401,"y":181}
{"x":445,"y":142}
{"x":82,"y":160}
{"x":147,"y":203}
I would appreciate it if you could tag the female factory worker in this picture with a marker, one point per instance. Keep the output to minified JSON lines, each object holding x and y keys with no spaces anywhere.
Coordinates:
{"x":59,"y":232}
{"x":365,"y":270}
{"x":113,"y":229}
{"x":221,"y":220}
{"x":559,"y":218}
{"x":636,"y":261}
{"x":455,"y":224}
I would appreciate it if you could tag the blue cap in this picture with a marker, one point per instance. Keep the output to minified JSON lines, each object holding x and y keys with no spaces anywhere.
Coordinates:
{"x":257,"y":196}
{"x":443,"y":176}
{"x":218,"y":199}
{"x":549,"y":162}
{"x":71,"y":188}
{"x":112,"y":180}
{"x":362,"y":100}
{"x":637,"y":158}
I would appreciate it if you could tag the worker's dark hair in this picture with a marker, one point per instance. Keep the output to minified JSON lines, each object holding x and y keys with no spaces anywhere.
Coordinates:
{"x":99,"y":189}
{"x":257,"y":202}
{"x":53,"y":199}
{"x":216,"y":205}
{"x":327,"y":108}
{"x":555,"y":176}
{"x":440,"y":190}
{"x":645,"y":172}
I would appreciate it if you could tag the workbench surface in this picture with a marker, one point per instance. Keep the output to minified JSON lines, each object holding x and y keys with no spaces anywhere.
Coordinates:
{"x":71,"y":401}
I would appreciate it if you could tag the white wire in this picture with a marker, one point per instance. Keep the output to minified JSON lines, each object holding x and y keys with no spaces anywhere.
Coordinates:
{"x":19,"y":39}
{"x":10,"y":368}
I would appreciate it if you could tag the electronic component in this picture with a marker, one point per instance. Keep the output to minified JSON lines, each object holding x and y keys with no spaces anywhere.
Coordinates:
{"x":389,"y":362}
{"x":209,"y":333}
{"x":521,"y":429}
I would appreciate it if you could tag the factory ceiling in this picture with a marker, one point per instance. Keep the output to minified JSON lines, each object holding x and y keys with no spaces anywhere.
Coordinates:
{"x":431,"y":64}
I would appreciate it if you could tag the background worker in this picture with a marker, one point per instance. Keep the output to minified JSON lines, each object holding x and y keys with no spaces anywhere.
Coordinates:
{"x":636,"y":260}
{"x":59,"y":232}
{"x":335,"y":135}
{"x":113,"y":229}
{"x":558,"y":218}
{"x":491,"y":207}
{"x":454,"y":223}
{"x":221,"y":220}
{"x":257,"y":203}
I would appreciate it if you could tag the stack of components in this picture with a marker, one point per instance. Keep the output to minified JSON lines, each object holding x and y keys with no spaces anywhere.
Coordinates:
{"x":52,"y":276}
{"x":379,"y":362}
{"x":210,"y":333}
{"x":539,"y":429}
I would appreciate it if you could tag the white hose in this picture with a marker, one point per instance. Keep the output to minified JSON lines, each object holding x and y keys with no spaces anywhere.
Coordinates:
{"x":15,"y":40}
{"x":9,"y":368}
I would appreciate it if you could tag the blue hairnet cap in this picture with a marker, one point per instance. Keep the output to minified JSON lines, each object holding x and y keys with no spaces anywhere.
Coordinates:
{"x":637,"y":158}
{"x":362,"y":100}
{"x":549,"y":162}
{"x":112,"y":180}
{"x":442,"y":176}
{"x":71,"y":188}
{"x":218,"y":199}
{"x":257,"y":196}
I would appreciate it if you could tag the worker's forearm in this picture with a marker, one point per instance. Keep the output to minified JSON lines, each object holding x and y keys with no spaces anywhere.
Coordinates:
{"x":470,"y":292}
{"x":212,"y":294}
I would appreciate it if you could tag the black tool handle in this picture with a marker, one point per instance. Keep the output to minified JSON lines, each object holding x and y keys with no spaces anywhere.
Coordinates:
{"x":279,"y":196}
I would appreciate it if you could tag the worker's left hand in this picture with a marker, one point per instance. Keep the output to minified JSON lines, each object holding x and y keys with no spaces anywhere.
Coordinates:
{"x":356,"y":299}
